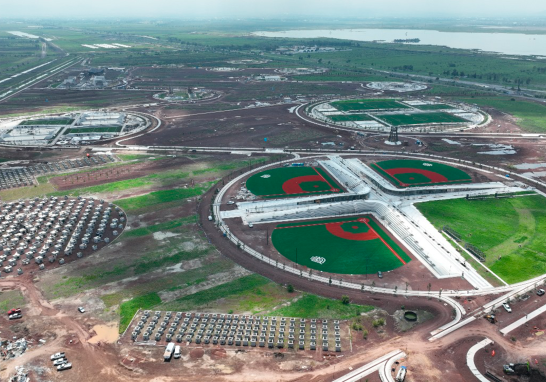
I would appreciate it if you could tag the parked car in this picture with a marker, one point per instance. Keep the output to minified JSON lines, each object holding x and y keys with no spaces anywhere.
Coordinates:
{"x":380,"y":274}
{"x":81,"y":309}
{"x":64,"y":366}
{"x":13,"y":311}
{"x":540,"y":292}
{"x":177,"y":351}
{"x":15,"y":316}
{"x":57,"y":356}
{"x":250,"y":225}
{"x":507,"y":307}
{"x":59,"y":361}
{"x":230,"y":202}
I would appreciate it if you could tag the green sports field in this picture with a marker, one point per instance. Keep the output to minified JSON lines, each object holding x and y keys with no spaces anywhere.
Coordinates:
{"x":64,"y":121}
{"x":420,"y":118}
{"x":435,"y":106}
{"x":510,"y":232}
{"x":350,"y":117}
{"x":292,"y":181}
{"x":94,"y":130}
{"x":368,"y":104}
{"x":418,"y":173}
{"x":349,"y":245}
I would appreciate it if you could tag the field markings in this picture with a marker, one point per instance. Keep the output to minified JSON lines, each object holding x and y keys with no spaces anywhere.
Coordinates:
{"x":432,"y":182}
{"x":353,"y":221}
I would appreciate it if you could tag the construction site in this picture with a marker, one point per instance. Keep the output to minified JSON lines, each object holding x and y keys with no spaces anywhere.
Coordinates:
{"x":297,"y":215}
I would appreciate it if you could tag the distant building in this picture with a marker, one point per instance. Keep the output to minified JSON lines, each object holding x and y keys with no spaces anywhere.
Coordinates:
{"x":95,"y":71}
{"x":99,"y":81}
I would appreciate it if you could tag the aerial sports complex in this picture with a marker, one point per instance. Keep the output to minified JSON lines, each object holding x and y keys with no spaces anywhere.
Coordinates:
{"x":351,"y":216}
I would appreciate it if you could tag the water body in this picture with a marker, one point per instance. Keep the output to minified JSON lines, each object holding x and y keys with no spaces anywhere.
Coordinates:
{"x":504,"y":43}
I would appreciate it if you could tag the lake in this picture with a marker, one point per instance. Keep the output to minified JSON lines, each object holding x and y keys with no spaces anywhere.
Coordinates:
{"x":504,"y":43}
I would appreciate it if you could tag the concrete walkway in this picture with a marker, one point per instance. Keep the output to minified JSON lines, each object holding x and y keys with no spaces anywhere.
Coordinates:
{"x":470,"y":359}
{"x":370,"y":368}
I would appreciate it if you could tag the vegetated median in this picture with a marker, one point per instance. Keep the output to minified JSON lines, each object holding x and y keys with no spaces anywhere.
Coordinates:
{"x":511,"y":232}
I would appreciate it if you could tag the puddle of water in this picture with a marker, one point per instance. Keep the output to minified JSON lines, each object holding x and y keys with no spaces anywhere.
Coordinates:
{"x":105,"y":333}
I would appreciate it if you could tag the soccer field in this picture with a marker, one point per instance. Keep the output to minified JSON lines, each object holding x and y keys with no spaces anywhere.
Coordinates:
{"x":435,"y":106}
{"x":292,"y":181}
{"x":368,"y":104}
{"x":350,"y":117}
{"x":420,"y":118}
{"x":349,"y":245}
{"x":510,"y":232}
{"x":417,"y":173}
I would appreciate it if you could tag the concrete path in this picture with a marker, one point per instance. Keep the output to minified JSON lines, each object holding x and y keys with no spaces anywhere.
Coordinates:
{"x":470,"y":359}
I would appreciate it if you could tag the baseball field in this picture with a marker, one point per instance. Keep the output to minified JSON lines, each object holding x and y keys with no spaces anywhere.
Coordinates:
{"x":348,"y":245}
{"x":417,"y":173}
{"x":292,"y":181}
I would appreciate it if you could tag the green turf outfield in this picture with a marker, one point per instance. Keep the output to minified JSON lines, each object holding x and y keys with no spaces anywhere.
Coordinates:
{"x":368,"y":104}
{"x":269,"y":183}
{"x":435,"y":106}
{"x":420,"y":118}
{"x":302,"y":241}
{"x":350,"y":117}
{"x":512,"y":229}
{"x":417,"y":173}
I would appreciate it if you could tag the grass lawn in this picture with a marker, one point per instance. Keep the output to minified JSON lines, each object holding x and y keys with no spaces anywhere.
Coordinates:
{"x":128,"y":309}
{"x":368,"y":104}
{"x":312,"y":306}
{"x":420,"y":118}
{"x":107,"y":187}
{"x":26,"y":192}
{"x":11,"y":299}
{"x":164,"y":196}
{"x":531,"y":115}
{"x":209,"y":297}
{"x":350,"y":117}
{"x":511,"y":232}
{"x":302,"y":242}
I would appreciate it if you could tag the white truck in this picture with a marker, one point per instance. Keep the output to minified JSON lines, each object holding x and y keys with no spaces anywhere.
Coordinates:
{"x":401,"y":376}
{"x":168,"y":352}
{"x":177,"y":352}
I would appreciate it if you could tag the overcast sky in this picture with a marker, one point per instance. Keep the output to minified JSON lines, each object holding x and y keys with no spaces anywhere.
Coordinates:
{"x":268,"y":8}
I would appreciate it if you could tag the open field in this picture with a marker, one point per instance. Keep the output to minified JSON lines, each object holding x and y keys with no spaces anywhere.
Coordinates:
{"x":420,"y":118}
{"x":416,"y":173}
{"x":368,"y":104}
{"x":511,"y":232}
{"x":531,"y":116}
{"x":290,"y":181}
{"x":350,"y":245}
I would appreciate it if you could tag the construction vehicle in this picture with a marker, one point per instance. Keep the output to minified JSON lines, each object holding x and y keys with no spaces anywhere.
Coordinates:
{"x":13,"y":311}
{"x":491,"y":318}
{"x":401,"y":376}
